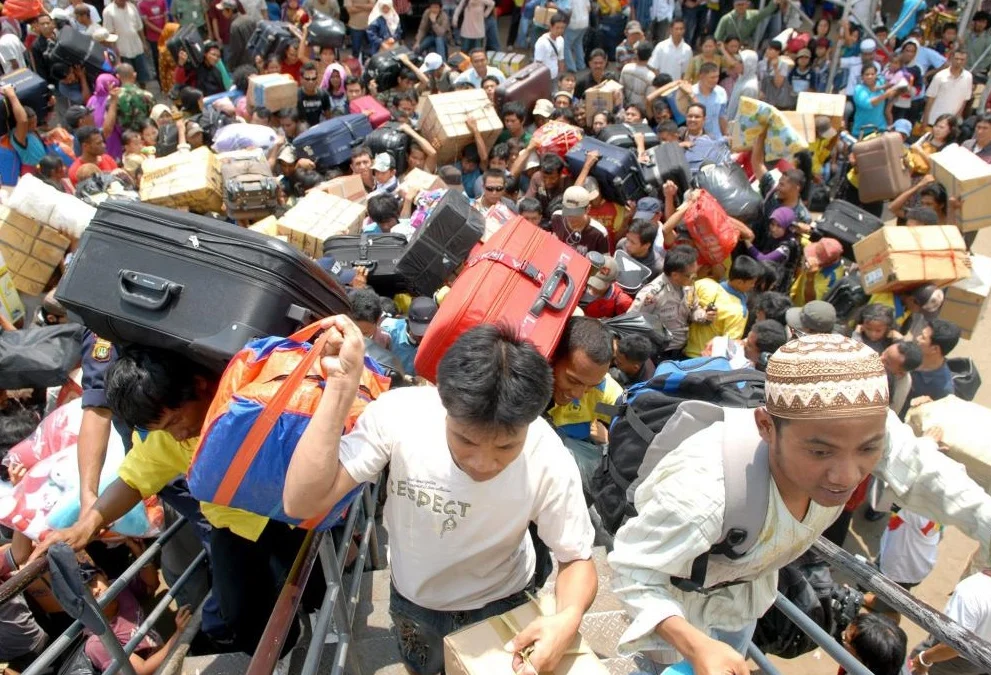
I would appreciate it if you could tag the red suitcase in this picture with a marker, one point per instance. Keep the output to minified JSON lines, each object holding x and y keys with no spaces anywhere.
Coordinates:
{"x":379,"y":114}
{"x":522,"y":276}
{"x":526,"y":87}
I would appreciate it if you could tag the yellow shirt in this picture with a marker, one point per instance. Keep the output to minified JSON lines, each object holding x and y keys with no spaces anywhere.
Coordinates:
{"x":730,"y":320}
{"x":824,"y":281}
{"x":157,"y":458}
{"x":575,"y":419}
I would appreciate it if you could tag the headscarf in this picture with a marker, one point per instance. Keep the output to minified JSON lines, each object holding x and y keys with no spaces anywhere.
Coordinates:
{"x":391,"y":19}
{"x":98,"y":104}
{"x":325,"y":83}
{"x":166,"y":64}
{"x":237,"y":44}
{"x":746,"y":85}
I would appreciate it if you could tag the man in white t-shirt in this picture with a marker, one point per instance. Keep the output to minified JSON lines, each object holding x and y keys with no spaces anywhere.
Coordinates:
{"x":673,"y":55}
{"x":969,"y":606}
{"x":950,"y":89}
{"x":471,"y":465}
{"x":549,"y":48}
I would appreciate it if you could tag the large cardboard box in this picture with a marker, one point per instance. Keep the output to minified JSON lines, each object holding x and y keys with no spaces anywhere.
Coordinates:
{"x":542,"y":16}
{"x":31,"y":251}
{"x":190,"y":180}
{"x":346,"y":187}
{"x":899,"y":258}
{"x":442,"y":121}
{"x":964,"y":433}
{"x":274,"y":91}
{"x":832,"y":106}
{"x":803,"y":123}
{"x":968,"y":177}
{"x":417,"y":181}
{"x":478,"y":649}
{"x":10,"y":301}
{"x":316,"y":218}
{"x":966,"y":301}
{"x":603,"y":97}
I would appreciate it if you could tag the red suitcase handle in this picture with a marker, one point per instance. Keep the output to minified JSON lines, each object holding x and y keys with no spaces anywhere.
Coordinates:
{"x":548,"y":285}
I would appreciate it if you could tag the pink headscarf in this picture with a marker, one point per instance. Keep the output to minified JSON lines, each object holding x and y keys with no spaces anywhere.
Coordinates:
{"x":325,"y":83}
{"x":98,"y":104}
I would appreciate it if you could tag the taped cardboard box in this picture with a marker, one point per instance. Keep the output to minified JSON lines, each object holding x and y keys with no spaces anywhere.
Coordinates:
{"x":478,"y":649}
{"x":316,"y":218}
{"x":443,"y":121}
{"x":10,"y":301}
{"x":965,"y":302}
{"x":418,"y":180}
{"x":603,"y":97}
{"x":832,"y":106}
{"x":968,"y":177}
{"x":32,"y":251}
{"x":345,"y":187}
{"x":900,"y":258}
{"x":803,"y":123}
{"x":274,"y":91}
{"x":190,"y":180}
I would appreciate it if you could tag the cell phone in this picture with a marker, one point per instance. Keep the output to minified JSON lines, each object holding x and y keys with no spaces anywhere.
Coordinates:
{"x":711,"y":307}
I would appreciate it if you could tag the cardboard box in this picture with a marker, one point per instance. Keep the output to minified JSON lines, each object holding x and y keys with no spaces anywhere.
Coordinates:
{"x":966,"y":301}
{"x":478,"y":649}
{"x":417,"y":181}
{"x":832,"y":106}
{"x":443,"y":118}
{"x":603,"y":97}
{"x":274,"y":91}
{"x":190,"y":180}
{"x":899,"y":258}
{"x":31,"y":251}
{"x":316,"y":218}
{"x":542,"y":16}
{"x":803,"y":123}
{"x":268,"y":225}
{"x":10,"y":301}
{"x":967,"y":176}
{"x":345,"y":187}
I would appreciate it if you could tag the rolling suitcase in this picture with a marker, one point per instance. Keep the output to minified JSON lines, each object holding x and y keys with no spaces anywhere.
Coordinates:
{"x":617,"y":171}
{"x":441,"y":244}
{"x":190,"y":283}
{"x":882,"y":169}
{"x":388,"y":138}
{"x":668,"y":162}
{"x":621,"y":135}
{"x":187,"y":38}
{"x":32,"y":91}
{"x":377,"y":253}
{"x":270,"y":39}
{"x":364,"y":105}
{"x":524,"y":87}
{"x":325,"y":31}
{"x":329,"y":143}
{"x":848,"y":223}
{"x":847,"y":296}
{"x":522,"y":277}
{"x":250,"y":195}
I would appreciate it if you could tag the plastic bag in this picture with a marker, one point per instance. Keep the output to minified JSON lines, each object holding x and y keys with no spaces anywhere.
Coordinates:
{"x":243,"y":137}
{"x":557,"y":138}
{"x":710,"y":229}
{"x":58,"y":430}
{"x":36,"y":199}
{"x":728,"y":184}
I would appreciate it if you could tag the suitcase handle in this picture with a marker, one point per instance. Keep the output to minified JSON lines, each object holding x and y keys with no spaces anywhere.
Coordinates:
{"x":544,"y":301}
{"x":145,"y":290}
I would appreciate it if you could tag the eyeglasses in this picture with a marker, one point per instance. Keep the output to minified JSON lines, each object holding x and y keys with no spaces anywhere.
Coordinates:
{"x":494,"y":188}
{"x":309,"y":79}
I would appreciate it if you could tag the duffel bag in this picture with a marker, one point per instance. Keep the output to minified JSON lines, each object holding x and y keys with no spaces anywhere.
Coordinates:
{"x":38,"y":357}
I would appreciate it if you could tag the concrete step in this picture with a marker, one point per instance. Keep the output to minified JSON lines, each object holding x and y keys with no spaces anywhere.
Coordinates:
{"x":216,"y":664}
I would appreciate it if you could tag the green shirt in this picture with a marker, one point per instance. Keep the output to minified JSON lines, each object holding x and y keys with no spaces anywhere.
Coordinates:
{"x":505,"y":136}
{"x":977,"y":43}
{"x":731,"y":25}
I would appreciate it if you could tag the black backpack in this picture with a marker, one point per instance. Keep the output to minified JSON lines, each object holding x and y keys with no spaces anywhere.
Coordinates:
{"x":778,"y":635}
{"x":847,"y":296}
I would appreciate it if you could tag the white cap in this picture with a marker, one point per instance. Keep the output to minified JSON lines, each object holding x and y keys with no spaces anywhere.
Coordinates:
{"x":431,"y":62}
{"x":383,"y":162}
{"x":543,"y":107}
{"x":103,"y":35}
{"x":868,"y":46}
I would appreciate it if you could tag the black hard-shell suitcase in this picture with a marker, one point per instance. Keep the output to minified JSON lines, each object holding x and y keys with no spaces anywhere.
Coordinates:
{"x":385,"y":67}
{"x":329,"y":143}
{"x":441,"y":244}
{"x":617,"y":171}
{"x":668,"y":163}
{"x":78,"y":49}
{"x":847,"y":296}
{"x":188,"y":38}
{"x":525,"y":87}
{"x":270,"y":39}
{"x":325,"y":31}
{"x":377,"y":253}
{"x":847,"y":223}
{"x":163,"y":278}
{"x":621,"y":135}
{"x":389,"y":139}
{"x":32,"y":92}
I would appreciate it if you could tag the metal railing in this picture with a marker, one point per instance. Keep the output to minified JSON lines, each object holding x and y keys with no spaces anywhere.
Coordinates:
{"x":67,"y":639}
{"x":335,"y":619}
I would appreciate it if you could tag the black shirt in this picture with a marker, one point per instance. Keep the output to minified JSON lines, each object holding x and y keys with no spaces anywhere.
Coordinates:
{"x":585,"y":81}
{"x":312,"y":107}
{"x":41,"y":63}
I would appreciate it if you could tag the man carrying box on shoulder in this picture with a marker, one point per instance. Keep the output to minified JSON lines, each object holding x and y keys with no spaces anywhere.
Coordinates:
{"x":471,"y":465}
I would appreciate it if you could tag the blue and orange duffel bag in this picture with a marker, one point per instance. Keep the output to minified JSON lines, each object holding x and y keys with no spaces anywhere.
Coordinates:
{"x":265,"y":399}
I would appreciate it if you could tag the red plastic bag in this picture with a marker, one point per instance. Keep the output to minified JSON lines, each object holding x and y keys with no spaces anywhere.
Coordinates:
{"x":557,"y":138}
{"x":710,"y":229}
{"x":23,"y":10}
{"x":797,"y":42}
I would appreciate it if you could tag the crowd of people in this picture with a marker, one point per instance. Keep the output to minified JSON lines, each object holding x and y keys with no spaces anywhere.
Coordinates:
{"x":499,"y":476}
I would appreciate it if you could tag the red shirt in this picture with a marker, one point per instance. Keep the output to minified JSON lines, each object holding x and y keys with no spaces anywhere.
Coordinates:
{"x":615,"y":302}
{"x":106,"y":164}
{"x":156,"y":12}
{"x":296,"y":69}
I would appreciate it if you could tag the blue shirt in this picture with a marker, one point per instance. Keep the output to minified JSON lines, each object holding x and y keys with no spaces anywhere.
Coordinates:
{"x":935,"y":384}
{"x":402,"y":346}
{"x":470,"y":180}
{"x":715,"y":107}
{"x":866,"y":113}
{"x":742,"y":297}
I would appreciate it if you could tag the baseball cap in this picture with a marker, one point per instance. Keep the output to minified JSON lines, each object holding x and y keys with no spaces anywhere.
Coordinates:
{"x":825,"y":252}
{"x":431,"y":62}
{"x":330,"y":265}
{"x":565,"y":94}
{"x":634,"y":27}
{"x":903,"y":127}
{"x":868,"y":45}
{"x":103,"y":35}
{"x":287,"y":154}
{"x":75,"y":115}
{"x":543,"y":107}
{"x":647,"y":208}
{"x":192,"y":128}
{"x":575,"y":201}
{"x":816,"y":316}
{"x":383,"y":162}
{"x":604,"y":278}
{"x":421,"y":311}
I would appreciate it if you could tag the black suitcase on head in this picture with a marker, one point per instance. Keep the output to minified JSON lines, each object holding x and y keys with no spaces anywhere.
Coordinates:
{"x":847,"y":223}
{"x":389,"y":139}
{"x":188,"y":38}
{"x":385,"y":67}
{"x":668,"y":163}
{"x":326,"y":31}
{"x":847,"y":296}
{"x":617,"y":171}
{"x":441,"y":244}
{"x":163,"y":278}
{"x":32,"y":92}
{"x":621,"y":135}
{"x":329,"y":143}
{"x":78,"y":49}
{"x":270,"y":39}
{"x":378,"y":253}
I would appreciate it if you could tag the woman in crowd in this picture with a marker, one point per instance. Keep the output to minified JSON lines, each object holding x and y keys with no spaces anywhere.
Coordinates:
{"x":870,"y":101}
{"x":746,"y":83}
{"x":333,"y":82}
{"x":943,"y":133}
{"x":294,"y":13}
{"x":210,"y":76}
{"x":103,"y":103}
{"x":384,"y":26}
{"x":166,"y":64}
{"x":709,"y":54}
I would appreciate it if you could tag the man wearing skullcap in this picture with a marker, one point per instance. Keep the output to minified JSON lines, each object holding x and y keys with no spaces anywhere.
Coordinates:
{"x":824,"y":428}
